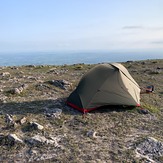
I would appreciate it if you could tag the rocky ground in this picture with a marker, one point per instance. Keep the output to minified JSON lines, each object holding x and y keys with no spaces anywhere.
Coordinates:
{"x":36,"y":125}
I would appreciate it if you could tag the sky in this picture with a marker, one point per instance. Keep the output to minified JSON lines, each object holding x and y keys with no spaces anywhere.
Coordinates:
{"x":81,"y":25}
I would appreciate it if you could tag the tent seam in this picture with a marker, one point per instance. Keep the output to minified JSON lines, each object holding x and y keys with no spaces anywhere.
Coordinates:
{"x":98,"y":90}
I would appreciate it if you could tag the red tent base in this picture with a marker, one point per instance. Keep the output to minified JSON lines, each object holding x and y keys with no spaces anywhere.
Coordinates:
{"x":83,"y":110}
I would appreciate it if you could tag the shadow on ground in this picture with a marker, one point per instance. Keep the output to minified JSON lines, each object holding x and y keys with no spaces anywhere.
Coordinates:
{"x":38,"y":107}
{"x":113,"y":108}
{"x":33,"y":107}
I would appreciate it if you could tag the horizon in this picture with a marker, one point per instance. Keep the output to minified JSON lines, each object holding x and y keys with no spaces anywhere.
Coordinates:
{"x":69,"y":58}
{"x":39,"y":26}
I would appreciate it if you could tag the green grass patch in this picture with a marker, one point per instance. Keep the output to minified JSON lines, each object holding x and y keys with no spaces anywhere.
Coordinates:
{"x":151,"y":108}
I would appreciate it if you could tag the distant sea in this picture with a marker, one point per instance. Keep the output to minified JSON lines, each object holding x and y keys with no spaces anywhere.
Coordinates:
{"x":60,"y":58}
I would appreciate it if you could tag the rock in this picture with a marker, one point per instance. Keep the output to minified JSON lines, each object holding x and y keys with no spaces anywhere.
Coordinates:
{"x":14,"y":68}
{"x":63,"y":84}
{"x":37,"y":140}
{"x":130,"y":61}
{"x":15,"y":91}
{"x":8,"y":119}
{"x":150,"y":148}
{"x":33,"y":66}
{"x":78,"y":67}
{"x":33,"y":152}
{"x":2,"y":137}
{"x":19,"y":89}
{"x":22,"y":120}
{"x":154,"y":62}
{"x":52,"y":70}
{"x":3,"y":74}
{"x":57,"y":72}
{"x":36,"y":126}
{"x":42,"y":87}
{"x":3,"y":99}
{"x":56,"y":112}
{"x":157,"y":71}
{"x":40,"y":140}
{"x":159,"y":68}
{"x":144,"y":111}
{"x":55,"y":140}
{"x":24,"y":86}
{"x":92,"y":134}
{"x":32,"y":78}
{"x":143,"y":63}
{"x":14,"y":138}
{"x":21,"y":72}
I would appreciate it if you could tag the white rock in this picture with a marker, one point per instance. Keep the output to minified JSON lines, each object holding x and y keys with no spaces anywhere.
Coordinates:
{"x":5,"y":74}
{"x":16,"y":91}
{"x":92,"y":134}
{"x":9,"y":119}
{"x":21,"y":89}
{"x":36,"y":126}
{"x":23,"y":120}
{"x":14,"y":138}
{"x":56,"y":112}
{"x":37,"y":139}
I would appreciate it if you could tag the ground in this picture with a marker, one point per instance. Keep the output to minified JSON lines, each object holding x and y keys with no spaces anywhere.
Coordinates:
{"x":118,"y":129}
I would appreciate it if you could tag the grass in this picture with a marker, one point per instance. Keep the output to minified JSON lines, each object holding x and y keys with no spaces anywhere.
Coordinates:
{"x":117,"y":129}
{"x":152,"y":109}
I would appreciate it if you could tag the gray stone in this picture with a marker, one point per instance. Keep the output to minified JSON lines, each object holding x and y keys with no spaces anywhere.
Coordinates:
{"x":56,"y":112}
{"x":130,"y":61}
{"x":14,"y":138}
{"x":24,"y":86}
{"x":63,"y":84}
{"x":32,"y":78}
{"x":3,"y":74}
{"x":40,"y":140}
{"x":19,"y":89}
{"x":150,"y":148}
{"x":21,"y":120}
{"x":3,"y":99}
{"x":15,"y":91}
{"x":36,"y":126}
{"x":33,"y":152}
{"x":8,"y":119}
{"x":37,"y":140}
{"x":144,"y":111}
{"x":159,"y":68}
{"x":92,"y":134}
{"x":55,"y":140}
{"x":2,"y":136}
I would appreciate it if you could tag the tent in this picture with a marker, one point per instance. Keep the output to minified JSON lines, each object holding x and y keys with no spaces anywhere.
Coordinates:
{"x":105,"y":84}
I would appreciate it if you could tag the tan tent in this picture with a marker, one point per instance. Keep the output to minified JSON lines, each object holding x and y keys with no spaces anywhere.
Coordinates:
{"x":105,"y":84}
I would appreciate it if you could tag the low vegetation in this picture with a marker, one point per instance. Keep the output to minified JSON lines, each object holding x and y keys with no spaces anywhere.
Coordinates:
{"x":109,"y":134}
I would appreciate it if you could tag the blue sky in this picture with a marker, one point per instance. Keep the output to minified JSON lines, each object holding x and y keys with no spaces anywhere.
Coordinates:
{"x":67,"y":25}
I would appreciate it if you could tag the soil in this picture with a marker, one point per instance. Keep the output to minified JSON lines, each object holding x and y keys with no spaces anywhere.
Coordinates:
{"x":26,"y":91}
